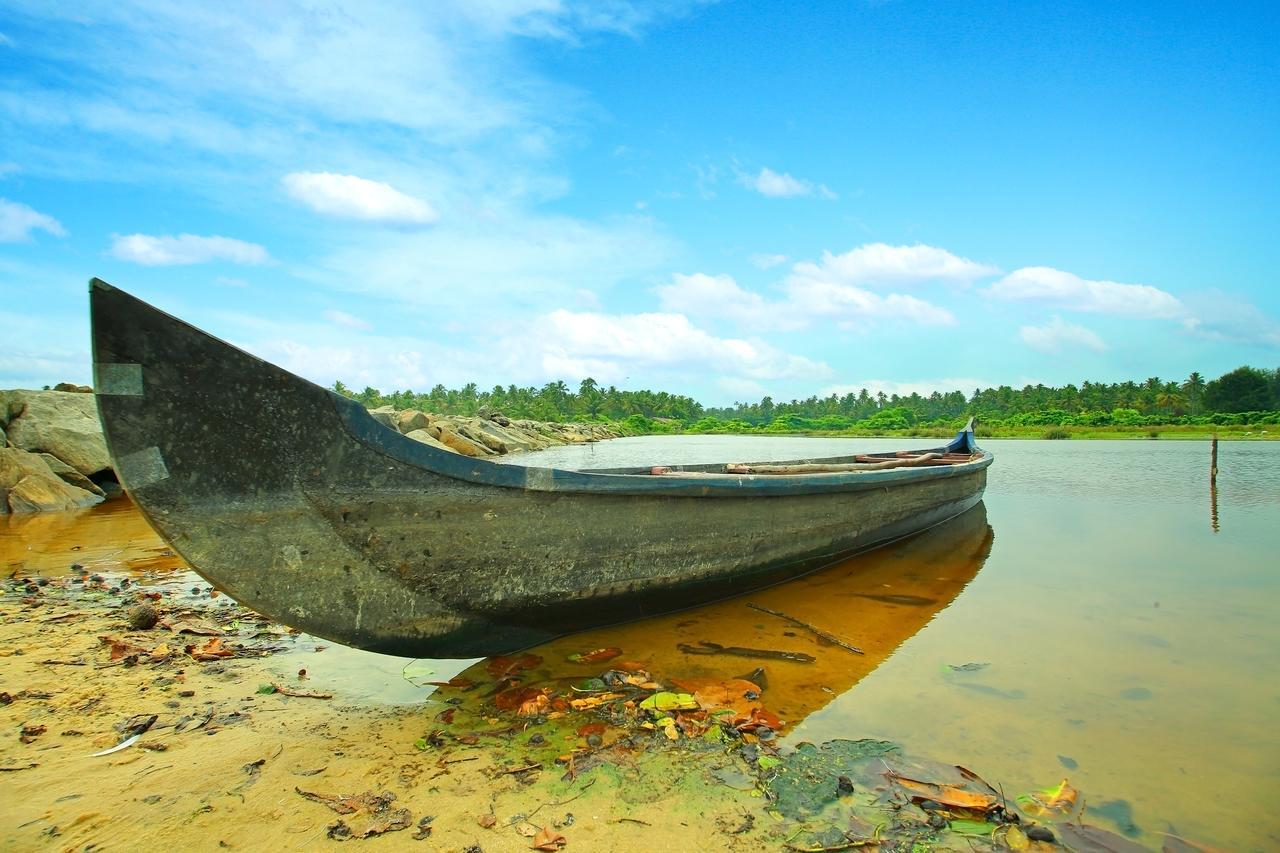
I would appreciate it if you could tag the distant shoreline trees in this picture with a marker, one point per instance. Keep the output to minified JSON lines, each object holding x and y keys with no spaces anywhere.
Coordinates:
{"x":1246,"y":395}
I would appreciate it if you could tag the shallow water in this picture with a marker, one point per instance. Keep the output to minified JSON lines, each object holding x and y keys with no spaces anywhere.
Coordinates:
{"x":1126,"y":644}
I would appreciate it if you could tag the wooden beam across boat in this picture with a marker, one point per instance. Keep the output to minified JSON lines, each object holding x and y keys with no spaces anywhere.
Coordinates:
{"x":296,"y":502}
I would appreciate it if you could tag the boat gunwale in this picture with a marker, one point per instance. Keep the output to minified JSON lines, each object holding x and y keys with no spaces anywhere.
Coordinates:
{"x":364,"y":428}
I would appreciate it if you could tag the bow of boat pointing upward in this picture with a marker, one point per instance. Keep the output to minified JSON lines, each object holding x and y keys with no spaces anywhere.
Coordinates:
{"x":296,"y":502}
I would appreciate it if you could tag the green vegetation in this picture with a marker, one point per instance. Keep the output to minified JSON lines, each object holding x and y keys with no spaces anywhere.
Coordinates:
{"x":1244,"y":402}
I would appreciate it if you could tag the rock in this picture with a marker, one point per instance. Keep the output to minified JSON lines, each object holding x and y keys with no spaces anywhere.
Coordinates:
{"x":426,"y":438}
{"x":384,"y":415}
{"x":62,"y":423}
{"x":71,"y":475}
{"x":410,"y":420}
{"x":28,"y":484}
{"x":73,"y":388}
{"x":4,"y":440}
{"x":473,"y":430}
{"x":1040,"y":833}
{"x":457,"y":442}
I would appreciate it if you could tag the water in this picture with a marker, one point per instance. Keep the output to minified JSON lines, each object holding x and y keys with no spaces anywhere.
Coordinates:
{"x":1127,"y":645}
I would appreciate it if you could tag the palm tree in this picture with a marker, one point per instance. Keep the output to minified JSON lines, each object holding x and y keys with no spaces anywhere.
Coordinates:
{"x":1194,"y":389}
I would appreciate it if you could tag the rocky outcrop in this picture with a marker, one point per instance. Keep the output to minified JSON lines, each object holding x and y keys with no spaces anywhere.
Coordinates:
{"x":53,"y":455}
{"x":62,"y":423}
{"x":29,"y":484}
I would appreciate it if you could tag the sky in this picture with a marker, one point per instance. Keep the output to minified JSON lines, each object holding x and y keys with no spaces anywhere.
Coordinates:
{"x":724,"y":200}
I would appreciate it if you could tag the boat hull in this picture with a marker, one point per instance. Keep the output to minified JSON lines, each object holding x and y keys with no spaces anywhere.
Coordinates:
{"x":297,"y":503}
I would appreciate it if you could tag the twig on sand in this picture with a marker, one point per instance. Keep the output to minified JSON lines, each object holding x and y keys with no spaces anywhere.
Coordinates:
{"x":581,"y":791}
{"x":631,"y":820}
{"x":800,"y":623}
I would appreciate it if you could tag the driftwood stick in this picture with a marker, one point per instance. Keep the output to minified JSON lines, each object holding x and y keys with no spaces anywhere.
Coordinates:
{"x":800,"y":623}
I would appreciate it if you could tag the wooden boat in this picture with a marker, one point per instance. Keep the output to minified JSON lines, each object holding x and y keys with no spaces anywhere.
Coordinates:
{"x":297,"y":503}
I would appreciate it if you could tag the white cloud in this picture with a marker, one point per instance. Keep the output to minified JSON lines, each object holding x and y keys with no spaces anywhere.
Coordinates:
{"x":1058,"y":335}
{"x":1220,"y":316}
{"x":719,"y":296}
{"x":854,"y":306}
{"x":609,"y":347}
{"x":881,"y":264}
{"x":342,"y":318}
{"x":766,"y":261}
{"x":186,"y":249}
{"x":352,"y":197}
{"x":806,"y":296}
{"x":17,"y":221}
{"x":774,"y":185}
{"x":1070,"y":292}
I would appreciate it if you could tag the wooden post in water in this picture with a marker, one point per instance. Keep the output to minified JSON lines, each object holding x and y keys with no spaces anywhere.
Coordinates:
{"x":1213,"y":484}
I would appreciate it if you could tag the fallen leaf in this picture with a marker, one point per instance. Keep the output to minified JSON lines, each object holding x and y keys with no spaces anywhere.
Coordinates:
{"x":947,"y":794}
{"x":549,"y":840}
{"x":595,"y":656}
{"x":1050,"y":802}
{"x":503,"y":665}
{"x":712,"y":693}
{"x":667,"y":701}
{"x":487,"y":821}
{"x":121,"y":648}
{"x":193,"y":626}
{"x":212,"y":650}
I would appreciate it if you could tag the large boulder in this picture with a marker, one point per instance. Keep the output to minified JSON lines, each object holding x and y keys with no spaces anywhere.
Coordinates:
{"x":427,"y":438}
{"x":446,"y":435}
{"x":71,"y":475}
{"x":4,"y":440}
{"x":385,"y":415}
{"x":410,"y":420}
{"x":28,"y":484}
{"x":62,"y":423}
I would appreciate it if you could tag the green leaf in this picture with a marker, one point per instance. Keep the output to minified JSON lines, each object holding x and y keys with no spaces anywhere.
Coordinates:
{"x":667,"y":701}
{"x":768,"y":762}
{"x":266,"y":689}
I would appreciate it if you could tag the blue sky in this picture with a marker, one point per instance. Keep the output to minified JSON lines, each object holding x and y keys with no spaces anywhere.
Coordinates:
{"x":719,"y":199}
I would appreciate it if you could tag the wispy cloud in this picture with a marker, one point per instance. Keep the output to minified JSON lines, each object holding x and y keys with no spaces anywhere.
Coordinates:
{"x":833,"y":289}
{"x":342,"y":318}
{"x":782,"y":185}
{"x":766,"y":261}
{"x":879,"y":264}
{"x":352,"y":197}
{"x":1058,"y":336}
{"x":609,"y":347}
{"x":186,"y":249}
{"x":17,"y":221}
{"x":1219,"y":316}
{"x":1070,"y":292}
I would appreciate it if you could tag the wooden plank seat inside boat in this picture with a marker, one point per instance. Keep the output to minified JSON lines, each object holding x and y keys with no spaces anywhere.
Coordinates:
{"x":860,"y":462}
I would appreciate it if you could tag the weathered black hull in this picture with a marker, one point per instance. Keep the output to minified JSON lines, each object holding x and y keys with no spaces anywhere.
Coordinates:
{"x":297,"y":503}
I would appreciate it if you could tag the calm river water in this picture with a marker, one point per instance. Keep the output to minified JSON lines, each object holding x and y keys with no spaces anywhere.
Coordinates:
{"x":1127,"y":628}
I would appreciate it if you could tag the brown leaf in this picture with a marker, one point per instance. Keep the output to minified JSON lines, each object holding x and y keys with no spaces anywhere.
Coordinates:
{"x":1051,"y":801}
{"x":714,"y":693}
{"x":595,"y":655}
{"x":212,"y":650}
{"x":122,"y":648}
{"x":503,"y":666}
{"x":948,"y":795}
{"x":549,"y":840}
{"x":487,"y":821}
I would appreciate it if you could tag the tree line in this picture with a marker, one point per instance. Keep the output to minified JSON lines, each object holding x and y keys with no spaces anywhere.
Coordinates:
{"x":1246,"y":395}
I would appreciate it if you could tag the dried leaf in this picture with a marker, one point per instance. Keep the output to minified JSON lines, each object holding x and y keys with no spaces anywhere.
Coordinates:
{"x":548,"y":839}
{"x":595,"y":656}
{"x":193,"y":626}
{"x":487,"y":821}
{"x":1050,"y":802}
{"x":502,"y":666}
{"x":122,"y":648}
{"x":947,"y":794}
{"x":212,"y":650}
{"x":711,"y":693}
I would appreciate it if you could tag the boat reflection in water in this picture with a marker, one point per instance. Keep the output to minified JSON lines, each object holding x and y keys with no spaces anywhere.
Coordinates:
{"x":875,"y":601}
